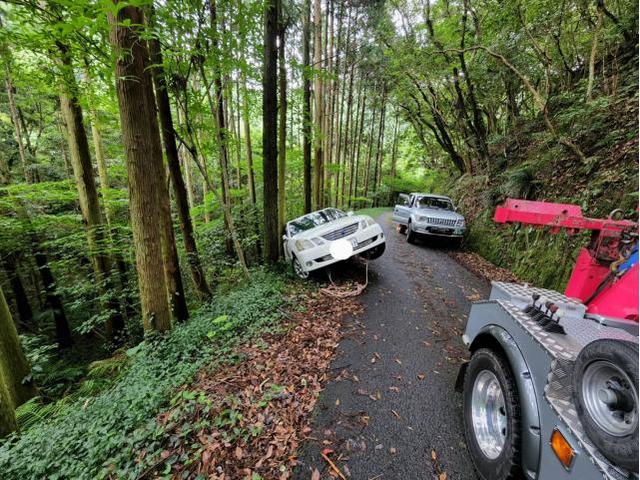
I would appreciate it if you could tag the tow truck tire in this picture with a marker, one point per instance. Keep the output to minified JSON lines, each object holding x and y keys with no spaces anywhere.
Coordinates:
{"x":609,"y":369}
{"x":491,"y":462}
{"x":411,"y":235}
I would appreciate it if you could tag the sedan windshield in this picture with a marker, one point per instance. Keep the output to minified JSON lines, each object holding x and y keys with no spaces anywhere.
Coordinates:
{"x":434,"y":202}
{"x":314,"y":219}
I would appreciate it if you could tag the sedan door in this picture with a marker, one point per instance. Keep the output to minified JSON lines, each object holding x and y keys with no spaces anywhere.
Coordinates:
{"x":402,"y":211}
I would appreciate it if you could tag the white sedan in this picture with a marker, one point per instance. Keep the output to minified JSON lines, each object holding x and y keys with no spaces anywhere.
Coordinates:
{"x":328,"y":236}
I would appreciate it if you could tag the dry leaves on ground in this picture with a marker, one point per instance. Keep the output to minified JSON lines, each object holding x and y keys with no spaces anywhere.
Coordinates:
{"x":250,"y":418}
{"x":483,"y":268}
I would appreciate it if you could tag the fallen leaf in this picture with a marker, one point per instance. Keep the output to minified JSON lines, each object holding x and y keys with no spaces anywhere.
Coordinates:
{"x":315,"y":475}
{"x":395,"y":414}
{"x":421,"y":376}
{"x":392,"y":451}
{"x":238,"y":453}
{"x":398,"y":361}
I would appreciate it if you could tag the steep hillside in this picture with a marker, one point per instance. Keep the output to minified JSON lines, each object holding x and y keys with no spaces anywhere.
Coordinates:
{"x":529,"y":164}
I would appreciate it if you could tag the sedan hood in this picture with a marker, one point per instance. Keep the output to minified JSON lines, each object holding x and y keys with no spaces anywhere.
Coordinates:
{"x":329,"y":227}
{"x":439,"y":213}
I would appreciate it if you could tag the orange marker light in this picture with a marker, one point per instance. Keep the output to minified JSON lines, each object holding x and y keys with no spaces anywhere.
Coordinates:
{"x":562,"y":449}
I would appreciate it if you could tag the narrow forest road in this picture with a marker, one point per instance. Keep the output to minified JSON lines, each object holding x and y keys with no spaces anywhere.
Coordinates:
{"x":390,"y":410}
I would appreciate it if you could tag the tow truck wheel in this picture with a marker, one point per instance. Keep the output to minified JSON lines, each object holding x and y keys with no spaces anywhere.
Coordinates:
{"x":605,"y":385}
{"x":492,"y":416}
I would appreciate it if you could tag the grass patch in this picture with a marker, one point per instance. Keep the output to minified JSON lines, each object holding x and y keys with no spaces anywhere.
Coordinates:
{"x":373,"y":212}
{"x":98,"y":436}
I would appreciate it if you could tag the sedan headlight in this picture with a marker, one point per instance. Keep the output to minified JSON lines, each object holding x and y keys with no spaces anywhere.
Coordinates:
{"x":460,"y":223}
{"x":367,"y":222}
{"x":423,"y":219}
{"x":304,"y":244}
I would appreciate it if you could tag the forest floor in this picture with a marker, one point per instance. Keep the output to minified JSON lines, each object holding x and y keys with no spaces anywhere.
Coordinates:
{"x":364,"y":383}
{"x":390,"y":411}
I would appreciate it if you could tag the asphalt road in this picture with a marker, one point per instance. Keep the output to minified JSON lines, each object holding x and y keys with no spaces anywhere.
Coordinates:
{"x":390,"y":410}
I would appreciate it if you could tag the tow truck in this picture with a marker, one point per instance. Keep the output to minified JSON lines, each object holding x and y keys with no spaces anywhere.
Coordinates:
{"x":551,"y":388}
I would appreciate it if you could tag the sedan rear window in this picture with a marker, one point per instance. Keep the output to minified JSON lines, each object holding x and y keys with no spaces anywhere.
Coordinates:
{"x":314,"y":219}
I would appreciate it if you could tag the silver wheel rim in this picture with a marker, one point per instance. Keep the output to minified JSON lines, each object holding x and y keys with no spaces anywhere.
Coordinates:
{"x":489,"y":414}
{"x":610,"y":398}
{"x":300,"y":272}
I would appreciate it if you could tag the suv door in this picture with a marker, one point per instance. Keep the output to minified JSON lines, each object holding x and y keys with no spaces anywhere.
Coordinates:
{"x":402,"y":210}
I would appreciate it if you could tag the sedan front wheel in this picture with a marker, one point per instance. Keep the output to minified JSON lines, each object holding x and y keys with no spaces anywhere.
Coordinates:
{"x":300,"y":272}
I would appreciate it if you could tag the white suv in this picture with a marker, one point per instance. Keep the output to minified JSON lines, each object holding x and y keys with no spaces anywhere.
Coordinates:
{"x":328,"y":236}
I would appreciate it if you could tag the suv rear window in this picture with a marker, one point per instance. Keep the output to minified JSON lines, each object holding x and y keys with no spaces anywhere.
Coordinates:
{"x":434,"y":202}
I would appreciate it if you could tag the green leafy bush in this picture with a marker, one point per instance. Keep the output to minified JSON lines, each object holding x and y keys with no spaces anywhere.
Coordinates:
{"x":98,"y":436}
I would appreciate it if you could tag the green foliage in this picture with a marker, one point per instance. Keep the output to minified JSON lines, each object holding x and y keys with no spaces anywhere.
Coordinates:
{"x":98,"y":434}
{"x":373,"y":212}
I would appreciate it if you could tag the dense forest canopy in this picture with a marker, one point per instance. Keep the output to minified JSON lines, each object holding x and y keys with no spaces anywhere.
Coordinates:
{"x":152,"y":152}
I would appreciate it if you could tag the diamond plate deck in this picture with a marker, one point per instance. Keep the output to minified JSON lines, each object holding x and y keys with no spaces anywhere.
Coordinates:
{"x":563,"y":350}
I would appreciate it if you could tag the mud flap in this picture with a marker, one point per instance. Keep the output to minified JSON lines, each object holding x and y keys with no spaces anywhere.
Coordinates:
{"x":460,"y":378}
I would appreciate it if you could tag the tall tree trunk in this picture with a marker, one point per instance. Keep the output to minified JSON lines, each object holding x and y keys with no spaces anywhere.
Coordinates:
{"x":246,"y":124}
{"x":8,"y":422}
{"x":357,"y":140}
{"x":101,"y":162}
{"x":143,"y":154}
{"x":62,"y":129}
{"x":592,"y":55}
{"x":88,"y":194}
{"x":377,"y":177}
{"x":282,"y":134}
{"x":10,"y":264}
{"x":217,"y":109}
{"x":318,"y":107}
{"x":247,"y":134}
{"x":17,"y":127}
{"x":270,"y":133}
{"x":103,"y":175}
{"x":14,"y":367}
{"x":394,"y":157}
{"x":183,"y":156}
{"x":306,"y":105}
{"x":330,"y":88}
{"x":347,"y":129}
{"x":179,"y":189}
{"x":52,"y":299}
{"x":367,"y":168}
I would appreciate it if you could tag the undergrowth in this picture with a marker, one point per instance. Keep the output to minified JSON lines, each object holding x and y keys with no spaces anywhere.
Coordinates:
{"x":98,"y":435}
{"x":529,"y":164}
